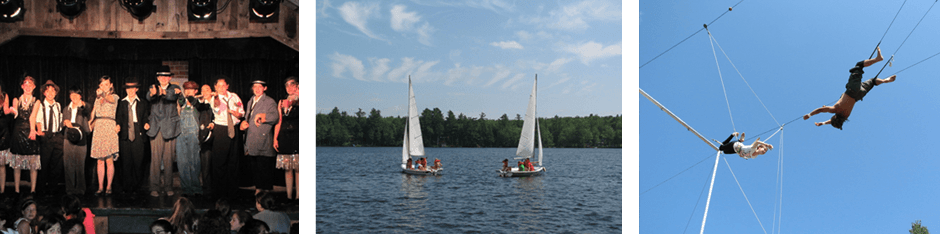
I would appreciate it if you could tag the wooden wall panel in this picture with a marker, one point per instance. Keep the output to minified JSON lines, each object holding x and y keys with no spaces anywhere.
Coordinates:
{"x":107,"y":18}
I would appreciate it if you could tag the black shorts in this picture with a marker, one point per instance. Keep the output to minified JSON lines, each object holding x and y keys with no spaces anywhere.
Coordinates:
{"x":855,"y":88}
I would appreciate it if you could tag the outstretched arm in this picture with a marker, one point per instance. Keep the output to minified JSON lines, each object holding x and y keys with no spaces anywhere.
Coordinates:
{"x":823,"y":123}
{"x":827,"y":109}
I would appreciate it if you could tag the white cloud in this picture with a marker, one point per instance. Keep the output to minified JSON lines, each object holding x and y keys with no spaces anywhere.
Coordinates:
{"x":342,"y":63}
{"x":591,"y":50}
{"x":401,"y":20}
{"x":404,"y":22}
{"x":358,"y":16}
{"x":497,"y":6}
{"x":507,"y":45}
{"x":512,"y":81}
{"x":418,"y":69}
{"x":500,"y":73}
{"x":576,"y":16}
{"x":379,"y":67}
{"x":401,"y":73}
{"x":523,"y":35}
{"x":322,"y":11}
{"x":555,"y":65}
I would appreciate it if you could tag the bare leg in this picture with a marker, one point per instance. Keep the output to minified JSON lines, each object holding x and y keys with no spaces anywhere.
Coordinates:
{"x":32,"y":180}
{"x":297,"y":180}
{"x":888,"y":80}
{"x":110,"y":163}
{"x":100,"y":176}
{"x":289,"y":181}
{"x":869,"y":62}
{"x":16,"y":179}
{"x":3,"y":179}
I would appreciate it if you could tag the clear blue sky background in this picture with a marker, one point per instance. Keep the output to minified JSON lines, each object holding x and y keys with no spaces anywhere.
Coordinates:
{"x":876,"y":176}
{"x":470,"y":56}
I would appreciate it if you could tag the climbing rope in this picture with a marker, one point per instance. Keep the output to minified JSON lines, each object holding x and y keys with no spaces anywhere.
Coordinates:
{"x":779,"y":202}
{"x":693,"y":34}
{"x":711,"y":42}
{"x":745,"y":195}
{"x":905,"y":39}
{"x":742,"y":77}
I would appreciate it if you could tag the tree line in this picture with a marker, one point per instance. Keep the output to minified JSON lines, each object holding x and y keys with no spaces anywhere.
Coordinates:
{"x":361,"y":129}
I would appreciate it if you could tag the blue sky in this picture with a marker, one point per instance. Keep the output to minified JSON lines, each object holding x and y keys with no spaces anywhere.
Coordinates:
{"x":877,"y":175}
{"x":470,"y":56}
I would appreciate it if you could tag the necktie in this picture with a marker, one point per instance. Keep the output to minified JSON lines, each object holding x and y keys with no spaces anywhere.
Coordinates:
{"x":48,"y":118}
{"x":228,"y":118}
{"x":131,"y":135}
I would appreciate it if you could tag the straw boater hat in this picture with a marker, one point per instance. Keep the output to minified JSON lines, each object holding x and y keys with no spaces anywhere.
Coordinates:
{"x":260,"y":82}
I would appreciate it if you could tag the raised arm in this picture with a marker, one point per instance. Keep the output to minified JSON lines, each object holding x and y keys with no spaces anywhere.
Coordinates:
{"x":823,"y":123}
{"x":827,"y":109}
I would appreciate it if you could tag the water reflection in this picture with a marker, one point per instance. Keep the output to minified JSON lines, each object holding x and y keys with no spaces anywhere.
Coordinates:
{"x":531,"y":202}
{"x":413,"y":203}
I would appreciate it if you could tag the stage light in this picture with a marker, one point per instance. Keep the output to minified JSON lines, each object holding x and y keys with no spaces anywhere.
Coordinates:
{"x":139,"y":9}
{"x":201,"y":10}
{"x":11,"y":10}
{"x":70,"y":8}
{"x":264,"y":10}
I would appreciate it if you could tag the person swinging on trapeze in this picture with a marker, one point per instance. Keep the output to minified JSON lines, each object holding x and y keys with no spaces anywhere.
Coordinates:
{"x":855,"y":90}
{"x":745,"y":151}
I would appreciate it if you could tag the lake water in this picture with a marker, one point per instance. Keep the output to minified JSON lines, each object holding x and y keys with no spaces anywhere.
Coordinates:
{"x":362,"y":190}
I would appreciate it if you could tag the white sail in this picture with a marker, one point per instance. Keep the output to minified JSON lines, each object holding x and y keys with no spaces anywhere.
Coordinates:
{"x":415,"y":140}
{"x":404,"y":148}
{"x":527,"y":138}
{"x":538,"y":131}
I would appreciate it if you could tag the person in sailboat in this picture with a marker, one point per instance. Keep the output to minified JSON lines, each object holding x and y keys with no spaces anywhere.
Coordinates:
{"x":419,"y":166}
{"x":506,"y":165}
{"x":437,"y":164}
{"x":408,"y":164}
{"x":528,"y":165}
{"x":745,"y":151}
{"x":521,"y":166}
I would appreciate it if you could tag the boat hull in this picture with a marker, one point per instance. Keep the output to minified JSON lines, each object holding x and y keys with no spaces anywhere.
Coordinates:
{"x":516,"y":173}
{"x":417,"y":172}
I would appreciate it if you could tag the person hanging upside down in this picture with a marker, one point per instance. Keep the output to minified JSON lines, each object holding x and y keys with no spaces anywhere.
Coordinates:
{"x":745,"y":151}
{"x":855,"y":90}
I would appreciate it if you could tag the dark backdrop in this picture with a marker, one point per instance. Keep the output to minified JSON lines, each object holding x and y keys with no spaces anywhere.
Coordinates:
{"x":80,"y":62}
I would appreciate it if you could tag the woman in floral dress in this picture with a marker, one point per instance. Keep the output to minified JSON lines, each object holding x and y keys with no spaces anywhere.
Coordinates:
{"x":104,"y":141}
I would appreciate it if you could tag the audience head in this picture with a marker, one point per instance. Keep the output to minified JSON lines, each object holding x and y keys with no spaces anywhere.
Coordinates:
{"x":212,"y":222}
{"x":161,"y":226}
{"x":73,"y":226}
{"x":238,"y":219}
{"x":222,"y":206}
{"x":264,"y":201}
{"x":184,"y":214}
{"x":254,"y":226}
{"x":50,"y":224}
{"x":28,"y":209}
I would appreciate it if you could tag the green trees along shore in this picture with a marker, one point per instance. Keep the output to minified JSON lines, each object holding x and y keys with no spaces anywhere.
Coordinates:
{"x":371,"y":129}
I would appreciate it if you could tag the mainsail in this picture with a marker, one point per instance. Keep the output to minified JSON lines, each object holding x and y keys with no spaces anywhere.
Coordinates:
{"x":527,"y":138}
{"x":415,"y":141}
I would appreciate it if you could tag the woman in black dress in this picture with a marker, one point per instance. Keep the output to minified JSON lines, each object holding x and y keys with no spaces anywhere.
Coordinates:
{"x":6,"y":118}
{"x":286,"y":139}
{"x":24,"y":146}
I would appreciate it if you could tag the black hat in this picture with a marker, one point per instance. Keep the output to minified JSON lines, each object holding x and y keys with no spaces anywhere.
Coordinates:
{"x":164,"y":71}
{"x":74,"y":135}
{"x":131,"y":82}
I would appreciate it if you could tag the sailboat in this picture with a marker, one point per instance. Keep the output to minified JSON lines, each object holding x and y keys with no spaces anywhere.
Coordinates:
{"x":413,"y":143}
{"x":526,"y":149}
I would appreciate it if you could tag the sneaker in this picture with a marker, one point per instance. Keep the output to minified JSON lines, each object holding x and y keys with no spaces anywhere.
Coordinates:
{"x":154,"y":194}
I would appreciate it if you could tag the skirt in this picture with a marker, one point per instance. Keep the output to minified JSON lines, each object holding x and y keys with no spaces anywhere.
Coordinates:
{"x":288,"y":161}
